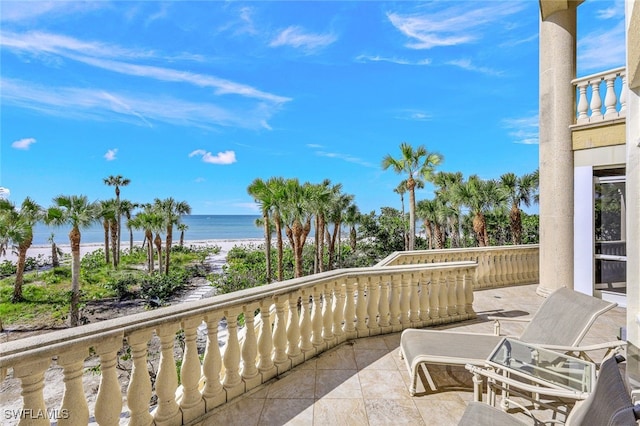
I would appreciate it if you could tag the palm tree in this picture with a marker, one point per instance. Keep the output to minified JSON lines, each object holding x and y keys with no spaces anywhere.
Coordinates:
{"x":117,"y":181}
{"x":481,"y":195}
{"x":337,"y":207}
{"x":182,"y":227}
{"x":402,"y":189}
{"x":77,"y":211}
{"x":277,"y":186}
{"x":427,"y":210}
{"x":171,"y":210}
{"x":127,"y":207}
{"x":352,"y":218}
{"x":261,"y":193}
{"x":320,"y":196}
{"x":418,"y":164}
{"x":108,"y":215}
{"x":297,"y":218}
{"x":55,"y":251}
{"x":447,"y":189}
{"x":519,"y":190}
{"x":20,"y":232}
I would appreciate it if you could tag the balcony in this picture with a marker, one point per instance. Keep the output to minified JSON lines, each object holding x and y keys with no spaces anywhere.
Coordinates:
{"x":601,"y":97}
{"x":320,"y":348}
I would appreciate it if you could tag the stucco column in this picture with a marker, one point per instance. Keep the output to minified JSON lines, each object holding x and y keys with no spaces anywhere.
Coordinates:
{"x":557,"y":106}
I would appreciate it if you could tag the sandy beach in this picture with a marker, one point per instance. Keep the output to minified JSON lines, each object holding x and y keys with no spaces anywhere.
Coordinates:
{"x":45,"y":249}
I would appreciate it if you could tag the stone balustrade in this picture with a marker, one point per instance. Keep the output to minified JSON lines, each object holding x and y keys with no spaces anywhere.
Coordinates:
{"x":597,"y":100}
{"x":312,"y":314}
{"x":497,"y":266}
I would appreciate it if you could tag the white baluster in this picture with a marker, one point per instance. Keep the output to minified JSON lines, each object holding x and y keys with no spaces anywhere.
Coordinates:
{"x":424,"y":297}
{"x":394,"y":303}
{"x":232,"y":382}
{"x":293,"y":330}
{"x":405,"y":295}
{"x":373,"y":296}
{"x":583,"y":105}
{"x":213,"y":392}
{"x":361,"y":310}
{"x":451,"y":295}
{"x":167,"y":411}
{"x":338,"y":311}
{"x":316,"y":321}
{"x":414,"y":299}
{"x":468,"y":292}
{"x":280,"y":358}
{"x":596,"y":101}
{"x":623,"y":94}
{"x":139,"y":390}
{"x":460,"y":296}
{"x":265,"y":343}
{"x":31,"y":375}
{"x":74,"y":409}
{"x":327,"y":314}
{"x":109,"y":400}
{"x":383,"y":305}
{"x":434,"y":297}
{"x":350,"y":309}
{"x":191,"y":403}
{"x":250,"y":374}
{"x":305,"y":325}
{"x":610,"y":98}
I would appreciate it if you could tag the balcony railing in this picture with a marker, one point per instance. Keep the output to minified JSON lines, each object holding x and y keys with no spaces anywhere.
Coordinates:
{"x":497,"y":266}
{"x":312,"y":314}
{"x":601,"y":97}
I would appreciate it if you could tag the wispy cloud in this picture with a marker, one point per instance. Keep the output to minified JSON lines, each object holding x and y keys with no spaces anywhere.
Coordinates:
{"x":344,"y":157}
{"x":137,"y":108}
{"x":222,"y":158}
{"x":110,"y":57}
{"x":394,"y":60}
{"x":16,"y":11}
{"x":298,"y":38}
{"x":111,"y":154}
{"x":517,"y":42}
{"x":23,"y":144}
{"x":523,"y":130}
{"x":614,"y":10}
{"x":469,"y":66}
{"x":600,"y":50}
{"x":414,"y":115}
{"x":459,"y":24}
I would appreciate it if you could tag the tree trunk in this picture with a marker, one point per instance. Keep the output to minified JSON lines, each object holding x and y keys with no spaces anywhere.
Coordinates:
{"x":114,"y":244}
{"x":55,"y":262}
{"x":150,"y":263}
{"x":74,"y":311}
{"x":105,"y":226}
{"x":158,"y":242}
{"x":168,"y":244}
{"x":181,"y":238}
{"x":22,"y":261}
{"x":479,"y":228}
{"x":130,"y":239}
{"x":279,"y":243}
{"x":353,"y":238}
{"x":515,"y":218}
{"x":267,"y":245}
{"x":412,"y":213}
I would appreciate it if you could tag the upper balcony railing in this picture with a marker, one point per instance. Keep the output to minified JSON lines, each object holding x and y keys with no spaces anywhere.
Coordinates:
{"x":285,"y":324}
{"x":601,"y":97}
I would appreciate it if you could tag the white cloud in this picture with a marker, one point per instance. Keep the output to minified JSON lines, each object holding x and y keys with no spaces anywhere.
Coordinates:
{"x":200,"y":180}
{"x":615,"y":10}
{"x":111,"y":154}
{"x":467,"y":65}
{"x":223,"y":158}
{"x":414,"y":115}
{"x":296,"y":37}
{"x":459,"y":24}
{"x":394,"y":60}
{"x":16,"y":11}
{"x":601,"y":50}
{"x":101,"y":55}
{"x":4,"y":193}
{"x":136,"y":108}
{"x":24,"y":143}
{"x":523,"y":130}
{"x":344,"y":157}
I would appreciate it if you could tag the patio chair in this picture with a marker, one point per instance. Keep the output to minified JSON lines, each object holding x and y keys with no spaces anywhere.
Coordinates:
{"x":608,"y":404}
{"x":561,"y":322}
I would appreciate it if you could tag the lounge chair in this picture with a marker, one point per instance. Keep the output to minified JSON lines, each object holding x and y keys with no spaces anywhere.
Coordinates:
{"x":608,"y":404}
{"x":560,"y":324}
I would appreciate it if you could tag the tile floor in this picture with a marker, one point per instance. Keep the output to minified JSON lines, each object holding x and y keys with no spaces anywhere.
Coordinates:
{"x":364,"y":381}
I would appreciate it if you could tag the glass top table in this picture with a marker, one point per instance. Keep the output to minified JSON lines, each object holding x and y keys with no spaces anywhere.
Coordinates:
{"x":543,"y":366}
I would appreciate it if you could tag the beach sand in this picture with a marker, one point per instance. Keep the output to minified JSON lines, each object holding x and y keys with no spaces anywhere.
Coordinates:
{"x":45,"y":249}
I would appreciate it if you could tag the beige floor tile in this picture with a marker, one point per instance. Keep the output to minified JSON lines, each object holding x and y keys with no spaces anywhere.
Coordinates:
{"x":338,"y":384}
{"x":340,"y":358}
{"x":338,"y":412}
{"x":278,"y":412}
{"x":440,"y":412}
{"x":392,"y":412}
{"x":381,"y":384}
{"x":376,"y":342}
{"x":377,"y":359}
{"x":243,"y":411}
{"x":297,"y":384}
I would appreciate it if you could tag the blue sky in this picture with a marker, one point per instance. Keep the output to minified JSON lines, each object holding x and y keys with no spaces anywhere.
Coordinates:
{"x":194,"y":100}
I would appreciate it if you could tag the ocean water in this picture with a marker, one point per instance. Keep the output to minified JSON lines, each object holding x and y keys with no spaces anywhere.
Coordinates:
{"x":201,"y":227}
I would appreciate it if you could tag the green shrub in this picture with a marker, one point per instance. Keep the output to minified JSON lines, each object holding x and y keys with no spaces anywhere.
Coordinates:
{"x":122,"y":286}
{"x":158,"y":288}
{"x":7,"y":268}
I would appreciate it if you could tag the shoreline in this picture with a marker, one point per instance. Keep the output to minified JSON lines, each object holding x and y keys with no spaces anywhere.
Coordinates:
{"x":86,"y":248}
